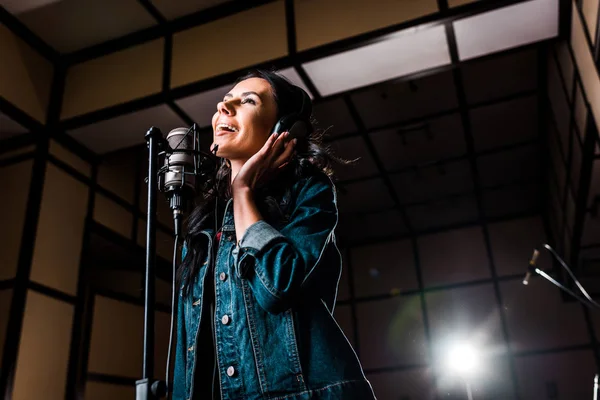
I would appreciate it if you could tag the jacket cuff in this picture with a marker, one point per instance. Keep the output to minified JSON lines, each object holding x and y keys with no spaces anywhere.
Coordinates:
{"x":255,"y":239}
{"x":259,"y":235}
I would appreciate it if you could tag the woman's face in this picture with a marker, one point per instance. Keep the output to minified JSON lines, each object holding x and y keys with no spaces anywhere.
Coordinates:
{"x":244,"y":119}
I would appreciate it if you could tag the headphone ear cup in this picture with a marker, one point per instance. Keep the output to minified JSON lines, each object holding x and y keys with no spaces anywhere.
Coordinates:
{"x":298,"y":130}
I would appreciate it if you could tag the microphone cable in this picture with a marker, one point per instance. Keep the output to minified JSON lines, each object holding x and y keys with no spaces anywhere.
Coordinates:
{"x":167,"y":371}
{"x":587,"y":300}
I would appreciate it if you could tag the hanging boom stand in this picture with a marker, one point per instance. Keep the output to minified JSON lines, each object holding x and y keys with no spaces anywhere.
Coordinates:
{"x":146,"y":389}
{"x":585,"y":300}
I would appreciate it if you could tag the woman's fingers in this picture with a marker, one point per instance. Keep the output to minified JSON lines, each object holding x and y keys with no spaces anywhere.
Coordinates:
{"x":286,"y":155}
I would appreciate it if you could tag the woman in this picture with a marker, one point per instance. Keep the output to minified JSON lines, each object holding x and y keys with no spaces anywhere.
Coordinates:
{"x":261,"y":267}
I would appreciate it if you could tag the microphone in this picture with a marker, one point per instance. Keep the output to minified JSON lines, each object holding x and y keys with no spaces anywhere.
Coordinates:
{"x":531,"y":267}
{"x":184,"y":165}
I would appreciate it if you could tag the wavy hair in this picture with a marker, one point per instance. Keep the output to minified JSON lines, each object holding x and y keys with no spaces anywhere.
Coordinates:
{"x":311,"y":156}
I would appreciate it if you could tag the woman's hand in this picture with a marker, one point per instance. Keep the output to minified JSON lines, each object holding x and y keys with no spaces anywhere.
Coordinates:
{"x":261,"y":167}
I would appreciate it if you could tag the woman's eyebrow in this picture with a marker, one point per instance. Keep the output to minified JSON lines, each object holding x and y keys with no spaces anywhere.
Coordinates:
{"x":243,"y":95}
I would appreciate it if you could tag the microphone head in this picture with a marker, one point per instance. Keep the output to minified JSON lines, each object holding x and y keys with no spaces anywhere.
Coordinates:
{"x":183,"y":142}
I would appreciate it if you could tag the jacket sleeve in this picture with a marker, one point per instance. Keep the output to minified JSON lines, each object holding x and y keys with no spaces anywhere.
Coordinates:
{"x":277,"y":263}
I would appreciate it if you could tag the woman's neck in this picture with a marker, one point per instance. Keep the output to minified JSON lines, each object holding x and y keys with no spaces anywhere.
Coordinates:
{"x":236,"y":165}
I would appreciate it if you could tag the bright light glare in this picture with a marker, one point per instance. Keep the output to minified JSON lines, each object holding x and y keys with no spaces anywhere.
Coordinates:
{"x":463,"y":359}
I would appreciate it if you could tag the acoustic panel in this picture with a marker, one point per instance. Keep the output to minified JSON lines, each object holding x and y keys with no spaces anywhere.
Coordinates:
{"x":103,"y":391}
{"x":513,"y":243}
{"x":325,"y":21}
{"x":13,"y":210}
{"x":25,"y":75}
{"x":200,"y":53}
{"x":202,"y":106}
{"x":43,"y":357}
{"x":581,"y":112}
{"x":561,"y":53}
{"x":585,"y":64}
{"x":70,"y":158}
{"x":116,"y":354}
{"x":112,"y":215}
{"x":59,"y":238}
{"x":175,"y":9}
{"x":444,"y":259}
{"x":538,"y":317}
{"x":113,"y":79}
{"x":413,"y":384}
{"x":427,"y":46}
{"x":513,"y":73}
{"x":384,"y":268}
{"x":589,"y":9}
{"x":9,"y":128}
{"x":116,"y":172}
{"x":507,"y":27}
{"x":566,"y":374}
{"x":126,"y":130}
{"x":70,"y":25}
{"x":5,"y":302}
{"x":391,"y":332}
{"x":505,"y":123}
{"x":455,"y":317}
{"x":361,"y":163}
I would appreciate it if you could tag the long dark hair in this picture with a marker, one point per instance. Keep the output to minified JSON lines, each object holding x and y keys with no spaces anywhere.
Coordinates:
{"x":310,"y":157}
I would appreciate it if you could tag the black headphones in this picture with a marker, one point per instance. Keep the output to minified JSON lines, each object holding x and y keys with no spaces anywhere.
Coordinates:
{"x":297,"y":123}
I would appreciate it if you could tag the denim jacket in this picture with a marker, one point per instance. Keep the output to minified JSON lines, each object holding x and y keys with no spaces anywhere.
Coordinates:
{"x":274,"y":292}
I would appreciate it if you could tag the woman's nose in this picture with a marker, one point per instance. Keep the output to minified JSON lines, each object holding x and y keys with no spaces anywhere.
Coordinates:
{"x":225,"y":107}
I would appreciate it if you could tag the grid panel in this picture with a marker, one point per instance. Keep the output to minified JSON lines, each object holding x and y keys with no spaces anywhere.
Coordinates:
{"x":538,"y":317}
{"x":391,"y":332}
{"x":385,"y":268}
{"x":444,"y":259}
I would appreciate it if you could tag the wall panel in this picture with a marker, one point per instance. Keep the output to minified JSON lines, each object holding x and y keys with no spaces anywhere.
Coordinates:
{"x":319,"y":22}
{"x":112,"y":215}
{"x":104,"y":391}
{"x":513,"y":243}
{"x":12,"y":214}
{"x":5,"y":302}
{"x":445,"y":258}
{"x":116,"y":346}
{"x":566,"y":375}
{"x":383,"y":268}
{"x":538,"y":317}
{"x":70,"y":158}
{"x":113,"y":79}
{"x":455,"y":317}
{"x":59,"y":237}
{"x":41,"y":370}
{"x":415,"y":384}
{"x":590,"y":15}
{"x":116,"y":173}
{"x":391,"y":332}
{"x":585,"y":65}
{"x":343,"y":316}
{"x":228,"y":44}
{"x":25,"y":75}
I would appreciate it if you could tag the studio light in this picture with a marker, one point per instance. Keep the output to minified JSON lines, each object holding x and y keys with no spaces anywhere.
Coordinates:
{"x":463,"y":359}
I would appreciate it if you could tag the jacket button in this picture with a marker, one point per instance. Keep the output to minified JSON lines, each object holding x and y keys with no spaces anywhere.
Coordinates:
{"x":230,"y":371}
{"x":222,"y":276}
{"x":191,"y":348}
{"x":225,"y":319}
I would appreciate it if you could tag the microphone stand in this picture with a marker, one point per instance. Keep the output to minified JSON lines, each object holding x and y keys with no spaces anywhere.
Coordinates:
{"x":145,"y":388}
{"x":587,"y":301}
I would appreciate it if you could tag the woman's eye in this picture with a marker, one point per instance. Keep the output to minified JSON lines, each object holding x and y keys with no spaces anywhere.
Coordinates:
{"x":248,"y":100}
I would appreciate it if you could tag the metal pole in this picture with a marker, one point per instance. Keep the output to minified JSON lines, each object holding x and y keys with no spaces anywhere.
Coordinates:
{"x":143,"y":386}
{"x":469,"y":394}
